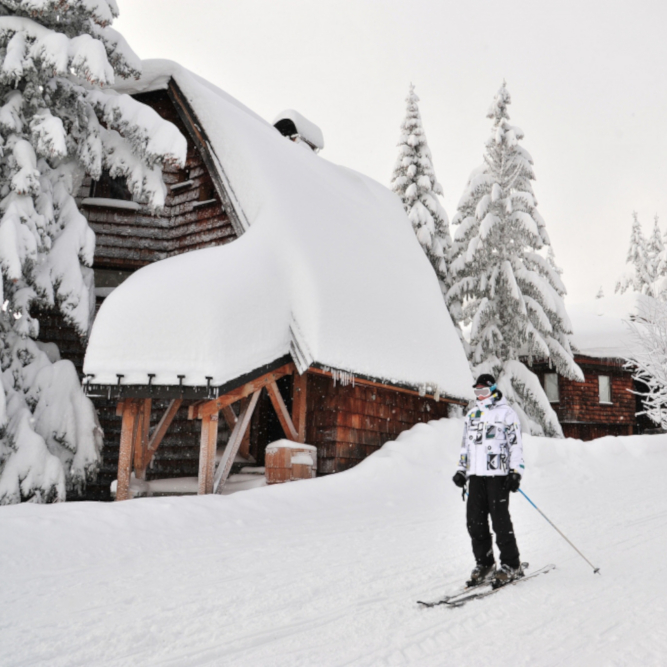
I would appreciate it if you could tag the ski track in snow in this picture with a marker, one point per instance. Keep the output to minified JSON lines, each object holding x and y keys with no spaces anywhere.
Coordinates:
{"x":327,"y":572}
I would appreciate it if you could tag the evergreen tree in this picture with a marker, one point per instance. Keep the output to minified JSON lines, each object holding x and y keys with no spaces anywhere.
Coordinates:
{"x":414,"y":181}
{"x":655,"y":251}
{"x":504,"y":286}
{"x":56,"y":124}
{"x":638,"y":277}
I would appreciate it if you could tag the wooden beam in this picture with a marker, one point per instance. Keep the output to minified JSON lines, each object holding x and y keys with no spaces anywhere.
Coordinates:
{"x":281,"y":410}
{"x":193,"y":407}
{"x":209,"y":441}
{"x":141,"y":439}
{"x":234,"y":443}
{"x":391,"y":387}
{"x":244,"y":447}
{"x":127,"y":436}
{"x":229,"y":416}
{"x":299,"y":402}
{"x":237,"y":394}
{"x":153,"y":442}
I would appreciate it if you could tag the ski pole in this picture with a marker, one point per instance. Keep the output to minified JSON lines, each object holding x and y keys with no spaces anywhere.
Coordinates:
{"x":596,"y":570}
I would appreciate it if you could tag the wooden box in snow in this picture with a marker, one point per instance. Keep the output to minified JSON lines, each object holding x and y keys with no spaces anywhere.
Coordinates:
{"x":287,"y":461}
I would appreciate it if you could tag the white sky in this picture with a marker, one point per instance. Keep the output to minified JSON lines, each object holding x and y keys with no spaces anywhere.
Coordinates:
{"x":588,"y":80}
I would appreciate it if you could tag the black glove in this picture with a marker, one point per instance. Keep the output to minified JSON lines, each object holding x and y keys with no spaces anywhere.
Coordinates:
{"x":513,"y":482}
{"x":460,"y":479}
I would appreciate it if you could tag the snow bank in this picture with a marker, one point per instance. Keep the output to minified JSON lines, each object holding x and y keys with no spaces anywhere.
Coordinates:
{"x":278,"y":575}
{"x":329,"y":264}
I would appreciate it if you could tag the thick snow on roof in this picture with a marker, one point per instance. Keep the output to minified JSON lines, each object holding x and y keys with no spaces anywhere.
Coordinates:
{"x":329,"y":260}
{"x":600,"y":328}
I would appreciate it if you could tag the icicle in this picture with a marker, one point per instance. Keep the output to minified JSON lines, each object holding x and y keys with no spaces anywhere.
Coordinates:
{"x":343,"y":377}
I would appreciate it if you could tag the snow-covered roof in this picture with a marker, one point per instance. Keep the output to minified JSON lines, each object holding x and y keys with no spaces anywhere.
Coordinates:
{"x":305,"y":128}
{"x":600,"y":328}
{"x":329,"y":266}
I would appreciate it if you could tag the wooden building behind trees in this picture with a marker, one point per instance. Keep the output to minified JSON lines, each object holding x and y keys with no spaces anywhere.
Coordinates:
{"x":173,"y":430}
{"x":607,"y":402}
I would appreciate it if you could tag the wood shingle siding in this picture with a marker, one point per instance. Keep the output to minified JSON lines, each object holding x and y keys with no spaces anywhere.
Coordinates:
{"x":348,"y":423}
{"x":193,"y":216}
{"x":579,"y":409}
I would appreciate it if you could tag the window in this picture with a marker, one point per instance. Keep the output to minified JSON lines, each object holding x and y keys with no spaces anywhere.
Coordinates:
{"x":604,"y":385}
{"x":551,"y":387}
{"x":110,"y":188}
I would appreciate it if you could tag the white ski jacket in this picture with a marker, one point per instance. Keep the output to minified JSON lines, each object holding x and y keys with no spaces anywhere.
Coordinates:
{"x":491,"y":441}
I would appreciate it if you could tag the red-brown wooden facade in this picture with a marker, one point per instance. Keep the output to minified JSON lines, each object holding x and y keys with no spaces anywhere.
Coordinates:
{"x":580,"y":411}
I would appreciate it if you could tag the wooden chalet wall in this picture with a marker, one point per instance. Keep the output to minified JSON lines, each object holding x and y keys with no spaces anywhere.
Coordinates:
{"x":348,"y":423}
{"x":579,"y":410}
{"x":193,"y":216}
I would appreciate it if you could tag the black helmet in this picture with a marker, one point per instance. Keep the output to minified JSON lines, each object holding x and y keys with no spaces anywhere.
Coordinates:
{"x":485,"y":380}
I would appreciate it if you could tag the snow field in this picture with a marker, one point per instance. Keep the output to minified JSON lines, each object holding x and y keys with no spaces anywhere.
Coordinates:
{"x":327,"y":571}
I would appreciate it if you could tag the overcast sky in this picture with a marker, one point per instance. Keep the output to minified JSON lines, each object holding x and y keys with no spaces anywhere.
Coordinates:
{"x":588,"y":80}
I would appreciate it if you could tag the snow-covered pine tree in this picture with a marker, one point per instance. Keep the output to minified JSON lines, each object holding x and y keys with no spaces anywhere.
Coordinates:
{"x":655,"y":259}
{"x":414,"y":181}
{"x":654,"y":247}
{"x":504,"y":286}
{"x":58,"y":122}
{"x":637,"y":277}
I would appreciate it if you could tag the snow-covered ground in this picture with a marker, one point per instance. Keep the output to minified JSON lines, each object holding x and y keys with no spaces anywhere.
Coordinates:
{"x":327,"y":571}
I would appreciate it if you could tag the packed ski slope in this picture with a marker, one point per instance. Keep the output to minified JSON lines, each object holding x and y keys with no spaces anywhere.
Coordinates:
{"x":327,"y":571}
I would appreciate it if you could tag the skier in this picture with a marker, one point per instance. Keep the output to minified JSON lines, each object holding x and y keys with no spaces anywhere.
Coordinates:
{"x":491,"y":458}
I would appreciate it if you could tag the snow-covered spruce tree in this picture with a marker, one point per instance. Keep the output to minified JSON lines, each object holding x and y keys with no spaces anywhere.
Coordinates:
{"x":57,"y":123}
{"x":414,"y":181}
{"x":654,"y":250}
{"x":504,"y":286}
{"x":637,"y":277}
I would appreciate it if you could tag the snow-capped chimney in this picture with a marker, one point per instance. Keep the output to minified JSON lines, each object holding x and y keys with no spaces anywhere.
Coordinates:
{"x":292,"y":124}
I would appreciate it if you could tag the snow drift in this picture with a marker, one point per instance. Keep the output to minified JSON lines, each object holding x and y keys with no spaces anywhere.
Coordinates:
{"x":279,"y":575}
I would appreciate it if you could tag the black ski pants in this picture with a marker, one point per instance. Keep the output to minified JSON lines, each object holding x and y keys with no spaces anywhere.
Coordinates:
{"x":488,"y":495}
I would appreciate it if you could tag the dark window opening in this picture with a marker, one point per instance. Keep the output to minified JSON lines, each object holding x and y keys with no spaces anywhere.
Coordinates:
{"x":110,"y":188}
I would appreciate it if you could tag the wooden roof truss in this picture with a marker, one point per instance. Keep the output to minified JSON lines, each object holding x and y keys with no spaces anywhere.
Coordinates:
{"x":138,"y":445}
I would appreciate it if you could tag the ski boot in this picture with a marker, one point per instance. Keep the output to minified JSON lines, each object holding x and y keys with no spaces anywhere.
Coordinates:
{"x":506,"y":574}
{"x":480,"y":574}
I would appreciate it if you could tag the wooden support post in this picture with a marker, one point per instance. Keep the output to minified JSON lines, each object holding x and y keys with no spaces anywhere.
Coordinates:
{"x":229,"y":416}
{"x":234,"y":443}
{"x":281,"y":411}
{"x":141,"y":441}
{"x":125,"y":455}
{"x":299,"y":397}
{"x":244,"y":447}
{"x":209,"y":441}
{"x":161,"y":428}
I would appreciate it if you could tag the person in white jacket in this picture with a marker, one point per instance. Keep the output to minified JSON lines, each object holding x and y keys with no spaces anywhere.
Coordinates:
{"x":491,"y":462}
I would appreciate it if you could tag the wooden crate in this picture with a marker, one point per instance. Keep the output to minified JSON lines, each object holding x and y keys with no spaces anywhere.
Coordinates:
{"x":287,"y":461}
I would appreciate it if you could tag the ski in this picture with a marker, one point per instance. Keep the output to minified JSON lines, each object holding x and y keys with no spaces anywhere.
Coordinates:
{"x":467,"y":589}
{"x":451,"y":596}
{"x":460,"y":601}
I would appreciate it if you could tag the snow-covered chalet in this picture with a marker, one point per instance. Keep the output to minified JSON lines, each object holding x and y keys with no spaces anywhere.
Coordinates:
{"x":276,"y":296}
{"x":606,"y":402}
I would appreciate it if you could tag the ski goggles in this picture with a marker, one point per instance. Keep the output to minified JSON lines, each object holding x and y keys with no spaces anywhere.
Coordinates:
{"x":484,"y":392}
